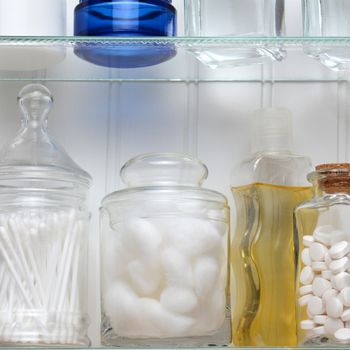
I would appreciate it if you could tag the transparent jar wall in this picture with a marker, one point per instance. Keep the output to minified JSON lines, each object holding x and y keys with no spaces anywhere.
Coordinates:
{"x":43,"y":262}
{"x":257,"y":18}
{"x":328,"y":18}
{"x":164,"y":273}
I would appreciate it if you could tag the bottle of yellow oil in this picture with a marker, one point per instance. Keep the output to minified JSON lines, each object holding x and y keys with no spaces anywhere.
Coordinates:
{"x":266,"y":189}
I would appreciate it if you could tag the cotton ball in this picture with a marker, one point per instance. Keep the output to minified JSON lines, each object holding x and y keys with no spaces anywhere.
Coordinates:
{"x":177,"y":268}
{"x":114,"y":259}
{"x":145,"y":277}
{"x":141,"y":237}
{"x":212,"y":314}
{"x":164,"y":323}
{"x":179,"y":300}
{"x":194,"y":236}
{"x":121,"y":307}
{"x":206,"y":273}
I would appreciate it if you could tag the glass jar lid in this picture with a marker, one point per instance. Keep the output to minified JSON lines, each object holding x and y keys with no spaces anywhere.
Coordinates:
{"x":165,"y":175}
{"x":33,"y":159}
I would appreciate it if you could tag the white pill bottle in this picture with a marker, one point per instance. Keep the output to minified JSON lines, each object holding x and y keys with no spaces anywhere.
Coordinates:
{"x":43,"y":235}
{"x":323,"y":247}
{"x":164,"y":256}
{"x":34,"y":18}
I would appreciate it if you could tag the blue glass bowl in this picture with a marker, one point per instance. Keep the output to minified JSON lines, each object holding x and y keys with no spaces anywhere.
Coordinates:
{"x":125,"y":18}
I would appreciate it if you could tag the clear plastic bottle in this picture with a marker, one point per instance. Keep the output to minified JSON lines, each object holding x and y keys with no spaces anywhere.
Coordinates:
{"x":164,"y":250}
{"x":266,"y":189}
{"x":43,"y":234}
{"x":323,"y":245}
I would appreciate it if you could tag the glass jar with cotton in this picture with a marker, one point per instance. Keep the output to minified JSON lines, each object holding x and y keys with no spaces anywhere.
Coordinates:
{"x":164,"y":256}
{"x":43,"y":234}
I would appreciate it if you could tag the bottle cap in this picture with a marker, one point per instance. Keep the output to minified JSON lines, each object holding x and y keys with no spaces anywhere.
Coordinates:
{"x":272,"y":130}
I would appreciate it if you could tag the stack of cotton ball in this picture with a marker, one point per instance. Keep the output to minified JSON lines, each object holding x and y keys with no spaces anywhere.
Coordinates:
{"x":165,"y":277}
{"x":326,"y":283}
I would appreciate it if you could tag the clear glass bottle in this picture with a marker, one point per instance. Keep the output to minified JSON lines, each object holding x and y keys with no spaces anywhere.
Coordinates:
{"x":43,"y":234}
{"x":266,"y":188}
{"x":164,"y":256}
{"x":31,"y":18}
{"x":235,"y":18}
{"x":328,"y":18}
{"x":120,"y":18}
{"x":322,"y":244}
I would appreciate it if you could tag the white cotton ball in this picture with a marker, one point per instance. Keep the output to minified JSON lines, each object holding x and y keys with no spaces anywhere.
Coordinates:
{"x":194,"y":236}
{"x":206,"y":273}
{"x":164,"y":323}
{"x":141,"y":237}
{"x":179,"y":300}
{"x":211,"y":315}
{"x":120,"y":306}
{"x":177,"y":268}
{"x":144,"y":276}
{"x":114,"y":258}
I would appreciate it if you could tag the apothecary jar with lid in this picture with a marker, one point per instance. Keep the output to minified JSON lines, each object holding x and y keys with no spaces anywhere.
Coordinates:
{"x":323,"y":247}
{"x":164,"y":254}
{"x":43,"y":234}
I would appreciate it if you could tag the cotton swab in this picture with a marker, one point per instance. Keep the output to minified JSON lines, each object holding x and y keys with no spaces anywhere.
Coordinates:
{"x":39,"y":276}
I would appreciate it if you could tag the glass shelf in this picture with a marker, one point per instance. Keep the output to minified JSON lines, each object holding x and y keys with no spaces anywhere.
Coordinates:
{"x":184,"y":67}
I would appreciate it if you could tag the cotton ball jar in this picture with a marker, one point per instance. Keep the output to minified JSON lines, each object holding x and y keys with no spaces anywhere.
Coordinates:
{"x":164,"y":256}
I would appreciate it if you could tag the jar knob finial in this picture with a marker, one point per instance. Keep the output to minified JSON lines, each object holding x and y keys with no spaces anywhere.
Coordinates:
{"x":35,"y":101}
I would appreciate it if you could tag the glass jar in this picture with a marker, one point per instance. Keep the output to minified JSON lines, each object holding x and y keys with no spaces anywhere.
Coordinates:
{"x":164,"y":256}
{"x":31,"y":18}
{"x":235,"y":18}
{"x":328,"y":18}
{"x":322,"y":242}
{"x":43,"y":235}
{"x":132,"y":18}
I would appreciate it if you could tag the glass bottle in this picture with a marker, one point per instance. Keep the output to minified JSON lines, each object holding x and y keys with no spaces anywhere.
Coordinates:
{"x":235,"y":18}
{"x":120,"y":18}
{"x":43,"y":234}
{"x":322,"y":244}
{"x":266,"y":189}
{"x":327,"y":18}
{"x":164,"y":256}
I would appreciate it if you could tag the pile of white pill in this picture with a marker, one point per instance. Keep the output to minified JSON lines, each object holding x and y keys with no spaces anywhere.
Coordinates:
{"x":325,"y":279}
{"x":40,"y":267}
{"x":165,"y":277}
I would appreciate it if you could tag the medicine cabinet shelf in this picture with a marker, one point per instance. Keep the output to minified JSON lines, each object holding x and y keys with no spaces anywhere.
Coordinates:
{"x":185,"y":67}
{"x":216,"y":348}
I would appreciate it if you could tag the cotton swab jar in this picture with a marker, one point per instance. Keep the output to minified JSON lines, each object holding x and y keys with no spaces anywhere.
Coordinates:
{"x":164,"y":257}
{"x":31,"y":18}
{"x":43,"y":235}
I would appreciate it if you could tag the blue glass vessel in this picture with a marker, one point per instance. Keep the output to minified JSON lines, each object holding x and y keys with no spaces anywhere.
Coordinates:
{"x":125,"y":18}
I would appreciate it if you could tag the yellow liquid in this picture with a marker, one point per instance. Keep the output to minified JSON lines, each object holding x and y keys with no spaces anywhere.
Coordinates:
{"x":263,"y":265}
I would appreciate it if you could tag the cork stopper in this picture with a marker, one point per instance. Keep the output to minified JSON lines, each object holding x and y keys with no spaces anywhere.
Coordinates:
{"x":334,"y":178}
